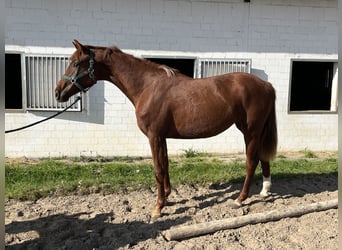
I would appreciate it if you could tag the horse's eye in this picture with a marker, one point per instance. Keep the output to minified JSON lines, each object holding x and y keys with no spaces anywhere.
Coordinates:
{"x":75,"y":64}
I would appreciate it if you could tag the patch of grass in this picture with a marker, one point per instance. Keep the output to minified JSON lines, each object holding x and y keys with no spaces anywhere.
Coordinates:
{"x":284,"y":168}
{"x":190,"y":153}
{"x":309,"y":154}
{"x":52,"y":177}
{"x":60,"y":177}
{"x":205,"y":171}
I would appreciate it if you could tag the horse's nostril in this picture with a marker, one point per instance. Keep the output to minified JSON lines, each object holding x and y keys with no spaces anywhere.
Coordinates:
{"x":57,"y":94}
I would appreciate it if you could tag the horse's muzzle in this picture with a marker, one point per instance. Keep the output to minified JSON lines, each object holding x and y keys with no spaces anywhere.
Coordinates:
{"x":60,"y":97}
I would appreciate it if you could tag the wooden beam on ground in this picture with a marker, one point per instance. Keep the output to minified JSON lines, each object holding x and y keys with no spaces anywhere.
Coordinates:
{"x":188,"y":231}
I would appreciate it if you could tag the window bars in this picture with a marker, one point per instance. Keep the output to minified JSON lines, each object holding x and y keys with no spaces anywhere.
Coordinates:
{"x":42,"y":72}
{"x":213,"y":67}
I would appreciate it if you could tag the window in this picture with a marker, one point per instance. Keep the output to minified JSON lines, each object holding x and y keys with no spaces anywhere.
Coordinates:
{"x":313,"y":86}
{"x":31,"y":79}
{"x":212,"y":67}
{"x":183,"y":65}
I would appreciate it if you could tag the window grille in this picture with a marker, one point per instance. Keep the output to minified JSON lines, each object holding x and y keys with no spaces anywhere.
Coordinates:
{"x":42,"y":72}
{"x":213,"y":67}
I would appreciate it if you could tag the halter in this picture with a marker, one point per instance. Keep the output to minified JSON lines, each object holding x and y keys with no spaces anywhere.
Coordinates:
{"x":89,"y":72}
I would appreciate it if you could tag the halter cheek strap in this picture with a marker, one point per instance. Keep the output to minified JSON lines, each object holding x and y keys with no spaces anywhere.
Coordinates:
{"x":89,"y":72}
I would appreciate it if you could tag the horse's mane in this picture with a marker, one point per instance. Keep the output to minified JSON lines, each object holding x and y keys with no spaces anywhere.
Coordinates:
{"x":170,"y":72}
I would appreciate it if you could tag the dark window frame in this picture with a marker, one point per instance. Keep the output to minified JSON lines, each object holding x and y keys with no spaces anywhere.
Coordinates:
{"x":333,"y":90}
{"x":8,"y":77}
{"x":171,"y":61}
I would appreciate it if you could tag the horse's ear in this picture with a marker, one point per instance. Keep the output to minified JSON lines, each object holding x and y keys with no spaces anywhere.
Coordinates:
{"x":77,"y":45}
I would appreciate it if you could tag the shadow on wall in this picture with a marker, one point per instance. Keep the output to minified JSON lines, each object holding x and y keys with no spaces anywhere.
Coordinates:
{"x":92,"y":107}
{"x":259,"y":73}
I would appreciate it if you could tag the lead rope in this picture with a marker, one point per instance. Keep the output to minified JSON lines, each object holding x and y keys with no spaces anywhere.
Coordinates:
{"x":48,"y":118}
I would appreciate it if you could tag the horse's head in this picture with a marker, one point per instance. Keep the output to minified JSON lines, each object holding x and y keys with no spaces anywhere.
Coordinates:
{"x":79,"y":76}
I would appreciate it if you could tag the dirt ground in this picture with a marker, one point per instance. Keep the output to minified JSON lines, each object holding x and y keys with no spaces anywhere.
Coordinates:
{"x":122,"y":220}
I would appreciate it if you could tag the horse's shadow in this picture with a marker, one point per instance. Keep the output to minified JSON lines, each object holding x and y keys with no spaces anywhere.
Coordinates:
{"x":63,"y":231}
{"x":296,"y":185}
{"x":204,"y":200}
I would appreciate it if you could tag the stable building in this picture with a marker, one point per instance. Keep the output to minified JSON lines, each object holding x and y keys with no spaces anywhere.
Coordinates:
{"x":292,"y":44}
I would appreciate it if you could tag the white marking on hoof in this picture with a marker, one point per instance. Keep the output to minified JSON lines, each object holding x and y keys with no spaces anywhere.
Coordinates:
{"x":266,"y":187}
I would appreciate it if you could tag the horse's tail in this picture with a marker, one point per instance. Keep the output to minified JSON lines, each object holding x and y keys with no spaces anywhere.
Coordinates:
{"x":269,"y":136}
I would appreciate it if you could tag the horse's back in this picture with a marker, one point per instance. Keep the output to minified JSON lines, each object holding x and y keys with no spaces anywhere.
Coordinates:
{"x":240,"y":90}
{"x":248,"y":82}
{"x":206,"y":107}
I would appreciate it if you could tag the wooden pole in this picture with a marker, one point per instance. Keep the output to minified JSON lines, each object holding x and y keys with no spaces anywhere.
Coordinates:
{"x":184,"y":232}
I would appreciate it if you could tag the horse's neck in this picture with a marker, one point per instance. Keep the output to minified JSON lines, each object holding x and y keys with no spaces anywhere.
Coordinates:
{"x":126,"y":73}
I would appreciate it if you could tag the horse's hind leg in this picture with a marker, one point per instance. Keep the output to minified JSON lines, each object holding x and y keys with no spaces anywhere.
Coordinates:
{"x":266,"y":175}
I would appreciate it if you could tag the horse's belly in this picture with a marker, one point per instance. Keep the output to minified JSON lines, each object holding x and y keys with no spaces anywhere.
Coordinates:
{"x":202,"y":113}
{"x":199,"y":127}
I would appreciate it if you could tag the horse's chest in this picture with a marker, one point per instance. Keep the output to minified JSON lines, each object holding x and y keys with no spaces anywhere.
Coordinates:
{"x":152,"y":116}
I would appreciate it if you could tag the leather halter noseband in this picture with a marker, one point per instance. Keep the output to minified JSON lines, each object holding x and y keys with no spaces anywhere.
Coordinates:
{"x":89,"y":72}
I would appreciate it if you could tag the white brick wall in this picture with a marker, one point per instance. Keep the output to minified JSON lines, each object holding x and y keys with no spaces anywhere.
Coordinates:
{"x":271,"y":33}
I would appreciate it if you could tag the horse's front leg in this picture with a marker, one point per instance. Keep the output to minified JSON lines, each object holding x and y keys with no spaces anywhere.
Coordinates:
{"x":251,"y":164}
{"x":160,"y":161}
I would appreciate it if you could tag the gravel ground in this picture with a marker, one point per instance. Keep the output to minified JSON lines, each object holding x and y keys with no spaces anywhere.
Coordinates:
{"x":122,"y":220}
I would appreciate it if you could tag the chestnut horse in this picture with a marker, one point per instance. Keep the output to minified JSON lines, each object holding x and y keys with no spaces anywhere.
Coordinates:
{"x":169,"y":104}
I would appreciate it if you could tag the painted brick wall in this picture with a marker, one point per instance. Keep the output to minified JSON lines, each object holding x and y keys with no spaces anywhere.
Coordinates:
{"x":271,"y":33}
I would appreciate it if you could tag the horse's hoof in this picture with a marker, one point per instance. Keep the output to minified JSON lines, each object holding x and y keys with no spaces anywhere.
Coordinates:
{"x":235,"y":204}
{"x":156,"y":214}
{"x":264,"y":194}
